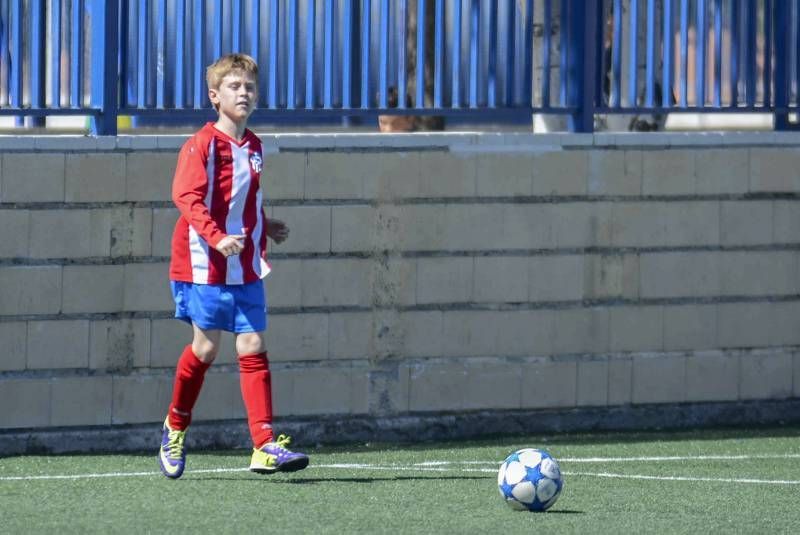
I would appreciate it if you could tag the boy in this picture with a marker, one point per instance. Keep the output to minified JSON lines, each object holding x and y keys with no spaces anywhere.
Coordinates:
{"x":218,"y":261}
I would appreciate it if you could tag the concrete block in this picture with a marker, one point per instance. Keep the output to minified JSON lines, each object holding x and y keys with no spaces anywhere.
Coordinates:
{"x":679,"y":274}
{"x":444,"y":280}
{"x":92,"y":288}
{"x":611,"y":276}
{"x":547,"y":383}
{"x":13,"y":339}
{"x":149,"y":175}
{"x":33,"y":177}
{"x":140,"y":398}
{"x":350,"y":335}
{"x":690,"y":327}
{"x":620,"y":380}
{"x":285,"y":283}
{"x":785,"y":328}
{"x":388,"y":387}
{"x":786,"y":226}
{"x":322,"y":391}
{"x":492,"y":384}
{"x":744,"y":325}
{"x":422,"y":227}
{"x":423,"y":333}
{"x":467,"y":333}
{"x":94,"y":177}
{"x":119,"y":345}
{"x":80,"y":401}
{"x":25,"y":402}
{"x":796,"y":380}
{"x":334,"y":175}
{"x":562,"y":172}
{"x":131,"y":231}
{"x":505,"y":175}
{"x":774,"y":169}
{"x":168,"y":338}
{"x":581,"y":224}
{"x":164,"y":220}
{"x":712,"y":376}
{"x":30,"y":290}
{"x":582,"y":330}
{"x":310,"y":229}
{"x":58,"y":344}
{"x":524,"y":226}
{"x":391,"y":175}
{"x":668,"y":172}
{"x":765,"y":375}
{"x":283,"y":176}
{"x":637,"y":328}
{"x":295,"y":337}
{"x":394,"y":281}
{"x":15,"y":224}
{"x":501,"y":279}
{"x":467,"y":227}
{"x":592,"y":387}
{"x":722,"y":171}
{"x":437,"y":386}
{"x":759,"y":273}
{"x":650,"y":224}
{"x":69,"y":233}
{"x":615,"y":172}
{"x":353,"y":228}
{"x":447,"y":174}
{"x":555,"y":278}
{"x":221,"y":397}
{"x":745,"y":222}
{"x":146,"y":288}
{"x":335,"y":282}
{"x":659,"y":378}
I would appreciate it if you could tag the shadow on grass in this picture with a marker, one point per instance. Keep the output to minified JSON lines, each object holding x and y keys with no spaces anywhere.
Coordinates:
{"x":316,"y":480}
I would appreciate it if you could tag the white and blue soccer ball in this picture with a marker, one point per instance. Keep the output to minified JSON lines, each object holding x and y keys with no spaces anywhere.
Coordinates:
{"x":530,"y":479}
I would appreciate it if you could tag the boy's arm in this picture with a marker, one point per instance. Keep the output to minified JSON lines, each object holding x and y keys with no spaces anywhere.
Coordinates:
{"x":189,"y":189}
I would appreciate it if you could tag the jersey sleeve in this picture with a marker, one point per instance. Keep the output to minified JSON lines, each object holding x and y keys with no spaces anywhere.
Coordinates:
{"x":189,"y":190}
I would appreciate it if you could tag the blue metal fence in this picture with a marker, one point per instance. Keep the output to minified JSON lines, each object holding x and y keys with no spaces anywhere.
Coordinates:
{"x":483,"y":58}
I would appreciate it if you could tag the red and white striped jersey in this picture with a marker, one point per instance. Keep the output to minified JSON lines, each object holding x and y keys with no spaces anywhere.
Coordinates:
{"x":216,"y":190}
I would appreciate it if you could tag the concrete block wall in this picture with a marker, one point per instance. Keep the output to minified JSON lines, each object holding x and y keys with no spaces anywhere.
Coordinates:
{"x":424,"y":273}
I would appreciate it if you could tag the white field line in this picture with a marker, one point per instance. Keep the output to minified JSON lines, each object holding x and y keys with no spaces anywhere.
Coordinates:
{"x":459,"y":466}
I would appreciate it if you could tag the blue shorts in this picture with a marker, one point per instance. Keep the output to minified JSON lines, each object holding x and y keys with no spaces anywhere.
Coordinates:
{"x":237,"y":308}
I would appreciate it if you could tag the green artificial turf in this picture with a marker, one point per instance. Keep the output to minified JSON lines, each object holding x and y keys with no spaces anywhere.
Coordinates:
{"x":389,"y":490}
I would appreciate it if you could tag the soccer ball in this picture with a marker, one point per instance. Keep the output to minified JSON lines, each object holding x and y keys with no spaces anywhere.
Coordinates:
{"x":530,"y":480}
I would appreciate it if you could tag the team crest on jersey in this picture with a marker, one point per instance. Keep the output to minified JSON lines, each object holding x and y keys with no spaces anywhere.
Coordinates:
{"x":255,"y":162}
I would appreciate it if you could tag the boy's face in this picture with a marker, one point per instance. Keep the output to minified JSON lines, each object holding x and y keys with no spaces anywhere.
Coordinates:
{"x":236,"y":95}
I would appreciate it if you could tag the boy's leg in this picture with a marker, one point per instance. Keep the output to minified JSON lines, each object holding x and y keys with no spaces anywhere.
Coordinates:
{"x":189,"y":375}
{"x":269,"y":455}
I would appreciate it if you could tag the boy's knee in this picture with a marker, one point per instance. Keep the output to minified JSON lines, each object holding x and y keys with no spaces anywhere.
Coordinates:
{"x":250,"y":344}
{"x":205,"y":350}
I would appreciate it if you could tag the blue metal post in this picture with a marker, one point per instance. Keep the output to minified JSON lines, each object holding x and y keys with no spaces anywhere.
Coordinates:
{"x":291,"y":68}
{"x":700,"y":49}
{"x":236,"y":36}
{"x":766,"y":79}
{"x":402,"y":89}
{"x":684,"y":81}
{"x":55,"y":58}
{"x":438,"y":72}
{"x":105,"y":77}
{"x":419,"y":98}
{"x":16,"y":54}
{"x":510,"y":31}
{"x":161,"y":75}
{"x":217,"y":39}
{"x":37,"y":65}
{"x":717,"y":53}
{"x":782,"y":68}
{"x":633,"y":49}
{"x":666,"y":75}
{"x":565,"y":38}
{"x":327,"y":57}
{"x":750,"y":54}
{"x":583,"y":73}
{"x":347,"y":55}
{"x":735,"y":40}
{"x":365,"y":48}
{"x":616,"y":57}
{"x":492,"y":82}
{"x":455,"y":70}
{"x":474,"y":43}
{"x":76,"y":53}
{"x":311,"y":15}
{"x":272,"y":92}
{"x":180,"y":54}
{"x":650,"y":68}
{"x":527,"y":92}
{"x":383,"y":84}
{"x":547,"y":37}
{"x":199,"y":42}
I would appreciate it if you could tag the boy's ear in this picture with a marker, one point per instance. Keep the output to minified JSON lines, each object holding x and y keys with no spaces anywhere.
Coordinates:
{"x":213,"y":97}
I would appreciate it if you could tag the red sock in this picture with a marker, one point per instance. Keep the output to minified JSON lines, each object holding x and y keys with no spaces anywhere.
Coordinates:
{"x":256,"y":386}
{"x":189,"y":377}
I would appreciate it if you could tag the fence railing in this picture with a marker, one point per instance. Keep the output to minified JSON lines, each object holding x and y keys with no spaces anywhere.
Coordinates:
{"x":486,"y":59}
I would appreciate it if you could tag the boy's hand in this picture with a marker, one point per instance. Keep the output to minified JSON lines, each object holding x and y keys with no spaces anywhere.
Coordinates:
{"x":277,"y":230}
{"x":230,"y":245}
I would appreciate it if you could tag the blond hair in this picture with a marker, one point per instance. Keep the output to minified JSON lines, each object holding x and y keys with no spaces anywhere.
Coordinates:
{"x":228,"y":64}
